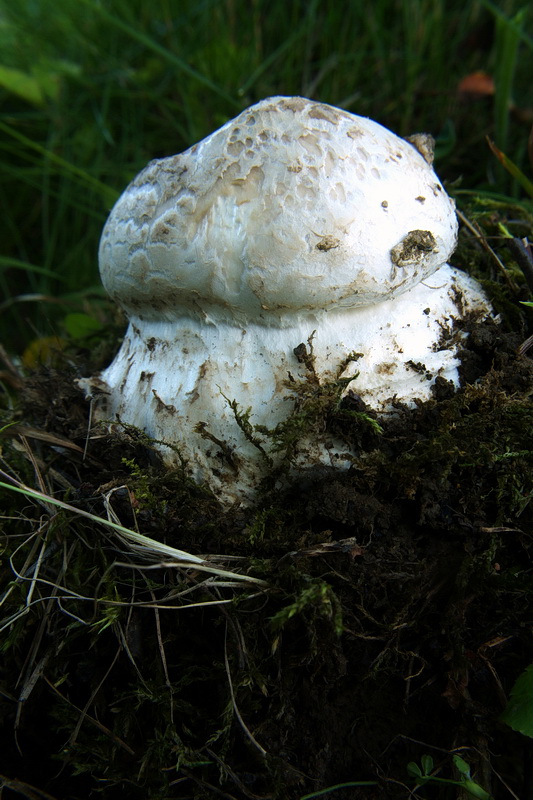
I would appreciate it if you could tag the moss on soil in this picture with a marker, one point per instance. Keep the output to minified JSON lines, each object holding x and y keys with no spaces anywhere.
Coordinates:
{"x":394,"y":623}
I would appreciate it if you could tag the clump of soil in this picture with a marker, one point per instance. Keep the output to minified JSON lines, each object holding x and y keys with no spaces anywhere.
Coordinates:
{"x":392,"y":622}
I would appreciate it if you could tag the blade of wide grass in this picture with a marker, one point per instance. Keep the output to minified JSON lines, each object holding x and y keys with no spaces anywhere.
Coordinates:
{"x":286,"y":45}
{"x":508,"y":20}
{"x":508,"y":38}
{"x":138,"y":541}
{"x":511,"y":168}
{"x":109,"y":195}
{"x":34,"y":179}
{"x":13,"y":263}
{"x":153,"y":45}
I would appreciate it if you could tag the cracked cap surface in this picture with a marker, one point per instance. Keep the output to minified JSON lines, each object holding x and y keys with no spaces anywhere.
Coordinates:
{"x":291,"y":207}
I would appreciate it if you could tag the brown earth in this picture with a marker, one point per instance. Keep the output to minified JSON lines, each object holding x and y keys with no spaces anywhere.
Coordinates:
{"x":393,"y":624}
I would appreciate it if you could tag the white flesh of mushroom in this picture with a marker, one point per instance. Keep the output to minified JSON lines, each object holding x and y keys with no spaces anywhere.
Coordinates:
{"x":295,"y":219}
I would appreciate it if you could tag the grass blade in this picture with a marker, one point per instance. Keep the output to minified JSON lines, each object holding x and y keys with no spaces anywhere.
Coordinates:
{"x":171,"y":58}
{"x":137,"y":540}
{"x":109,"y":195}
{"x":511,"y":168}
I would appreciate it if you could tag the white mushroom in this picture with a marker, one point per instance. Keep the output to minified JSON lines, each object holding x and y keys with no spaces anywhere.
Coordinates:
{"x":294,"y":220}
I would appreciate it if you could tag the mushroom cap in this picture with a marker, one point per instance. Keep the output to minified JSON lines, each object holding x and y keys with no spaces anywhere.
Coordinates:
{"x":291,"y":207}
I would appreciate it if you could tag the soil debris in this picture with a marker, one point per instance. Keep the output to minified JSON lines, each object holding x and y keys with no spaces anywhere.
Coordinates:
{"x":394,"y":624}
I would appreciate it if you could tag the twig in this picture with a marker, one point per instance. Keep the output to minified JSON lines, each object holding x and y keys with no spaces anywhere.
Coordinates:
{"x":25,"y":789}
{"x":83,"y":714}
{"x":94,"y":721}
{"x":478,"y":234}
{"x":242,"y":723}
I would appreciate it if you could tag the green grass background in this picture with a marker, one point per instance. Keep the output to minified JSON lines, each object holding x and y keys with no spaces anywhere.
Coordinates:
{"x":90,"y":90}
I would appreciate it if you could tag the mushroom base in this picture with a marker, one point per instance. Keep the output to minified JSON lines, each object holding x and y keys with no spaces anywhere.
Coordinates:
{"x":190,"y":384}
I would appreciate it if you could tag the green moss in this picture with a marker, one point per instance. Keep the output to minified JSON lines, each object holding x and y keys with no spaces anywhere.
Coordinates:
{"x":317,"y":598}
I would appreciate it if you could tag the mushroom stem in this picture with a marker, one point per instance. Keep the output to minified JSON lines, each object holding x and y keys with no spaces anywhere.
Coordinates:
{"x":185,"y":382}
